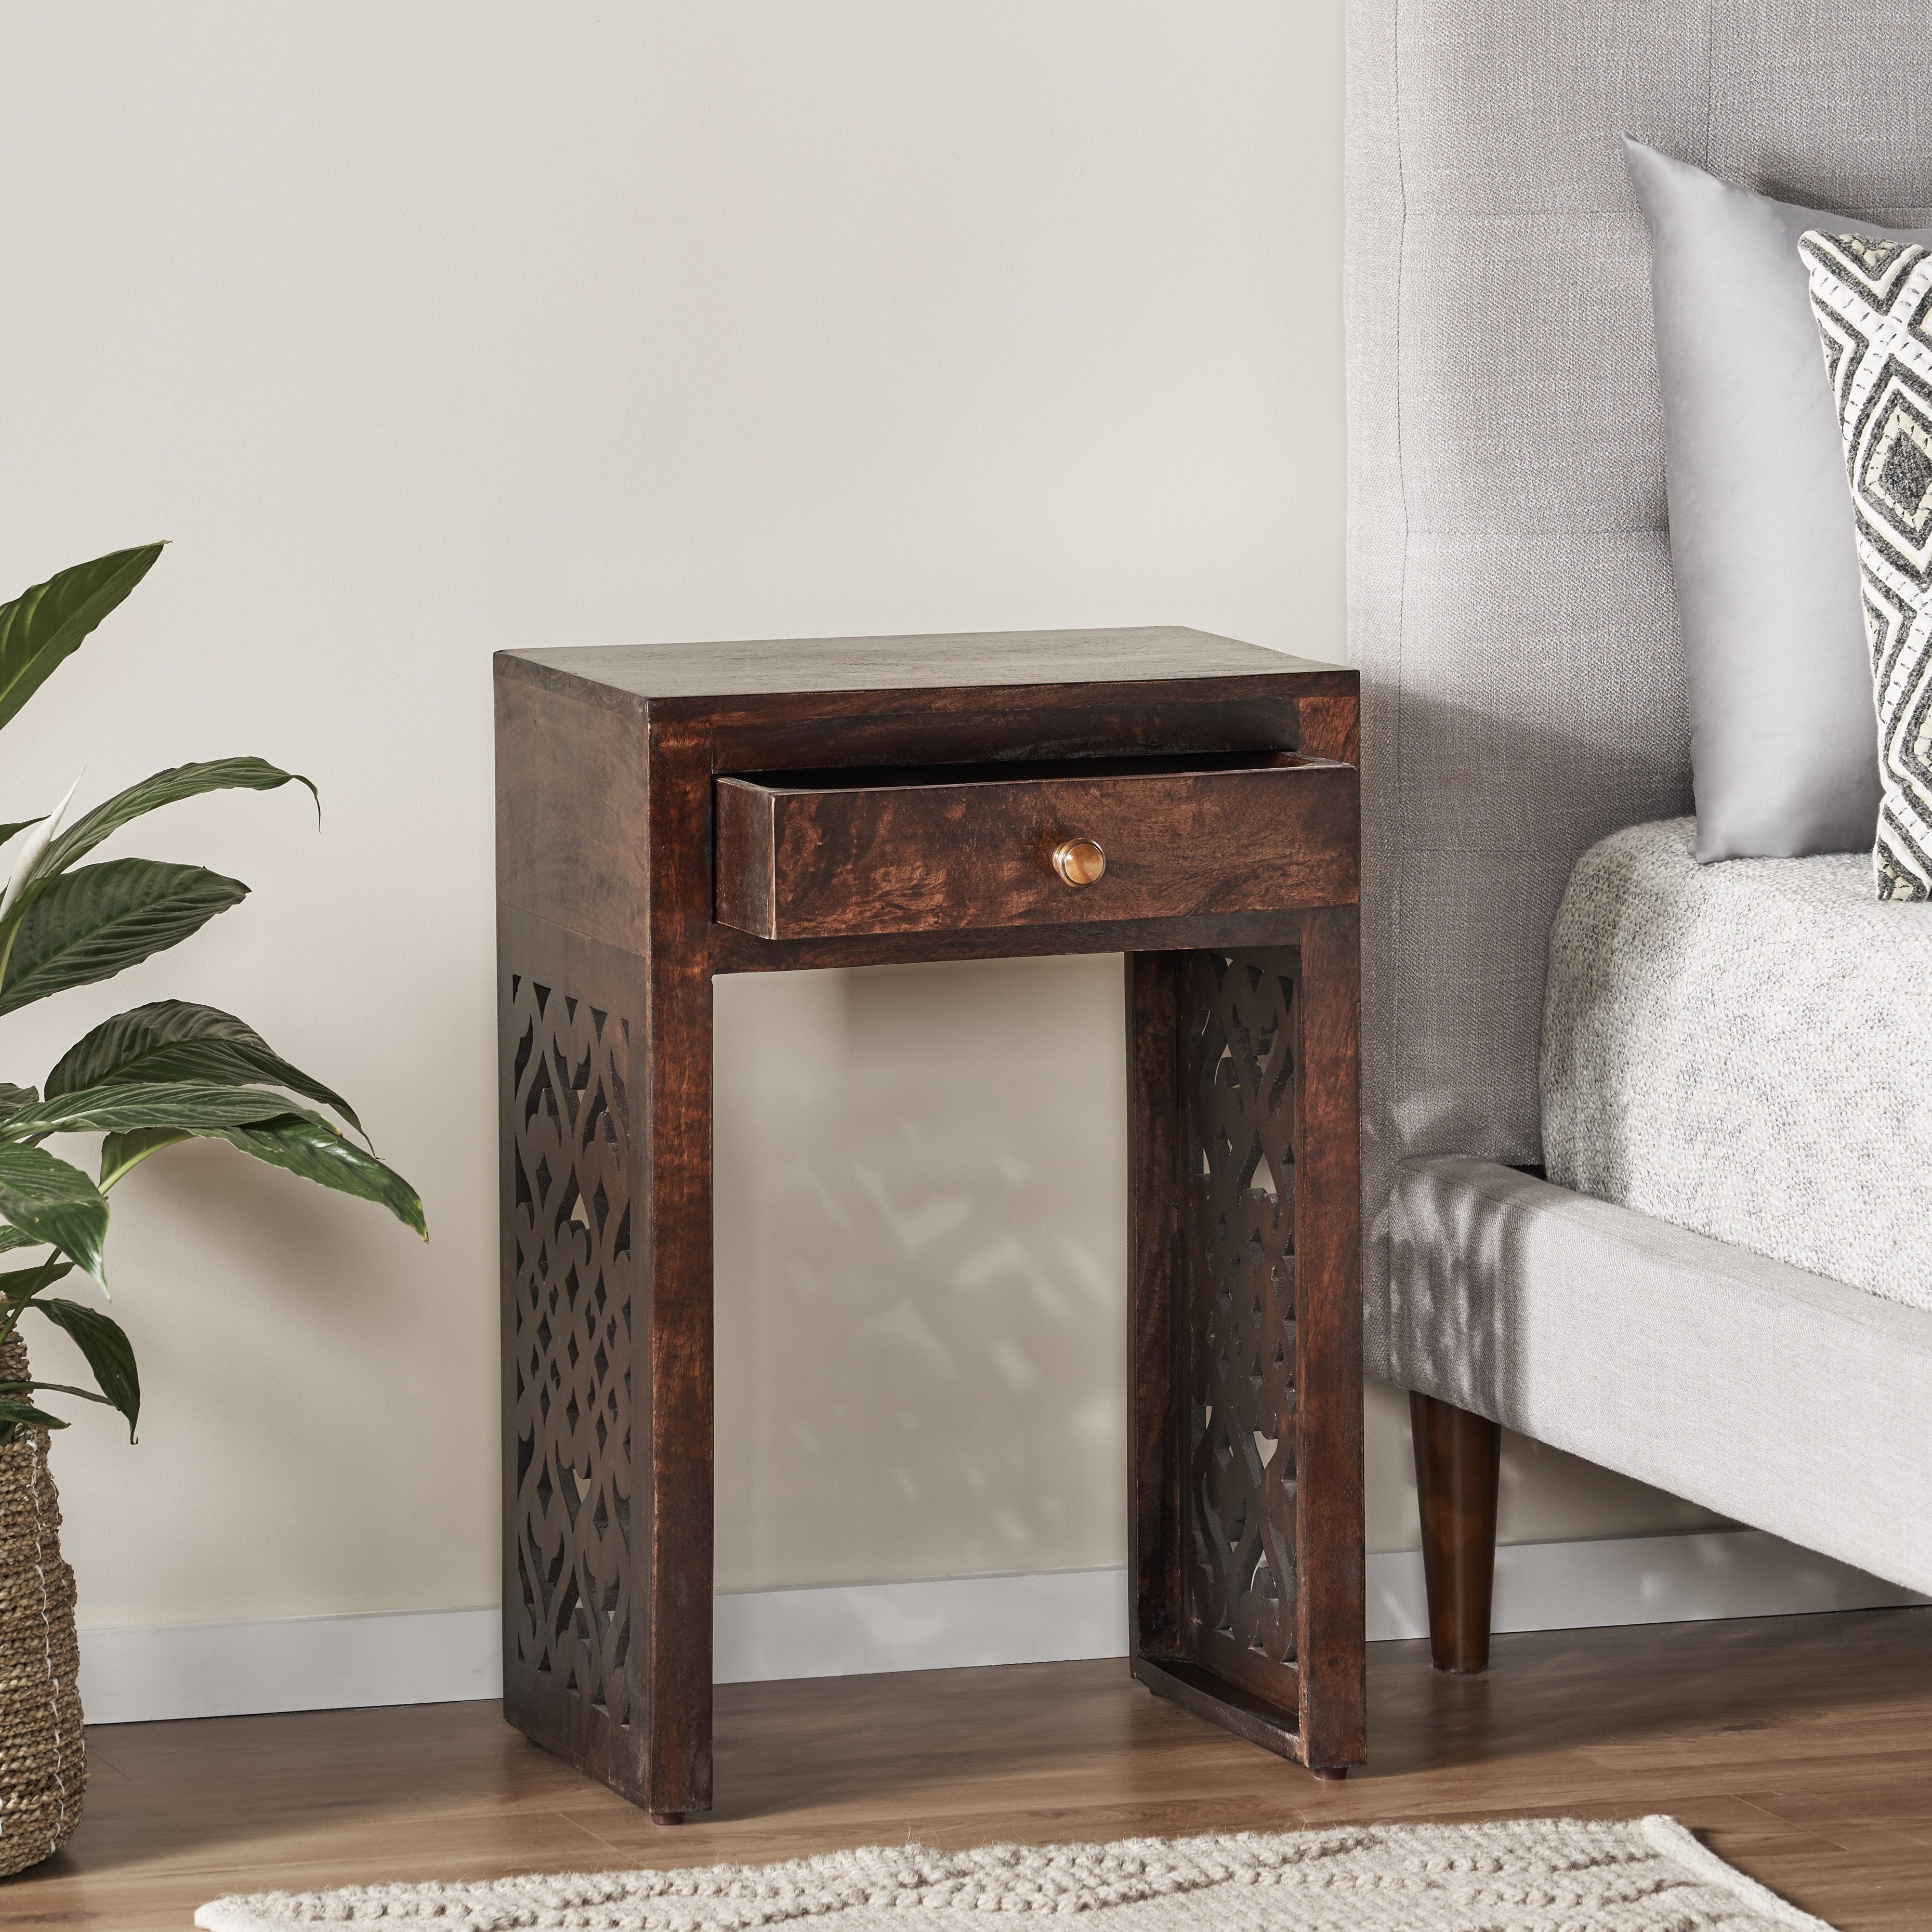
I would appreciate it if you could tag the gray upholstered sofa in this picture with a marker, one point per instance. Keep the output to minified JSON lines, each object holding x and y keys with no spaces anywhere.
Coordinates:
{"x":1523,"y":696}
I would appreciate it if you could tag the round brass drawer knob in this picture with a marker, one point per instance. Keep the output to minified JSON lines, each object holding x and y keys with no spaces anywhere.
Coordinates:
{"x":1080,"y":861}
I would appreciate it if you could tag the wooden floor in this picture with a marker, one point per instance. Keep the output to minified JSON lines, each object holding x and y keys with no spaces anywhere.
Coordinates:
{"x":1802,"y":1746}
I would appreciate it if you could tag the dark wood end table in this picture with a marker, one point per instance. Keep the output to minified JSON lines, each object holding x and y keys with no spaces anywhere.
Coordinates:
{"x":668,"y":813}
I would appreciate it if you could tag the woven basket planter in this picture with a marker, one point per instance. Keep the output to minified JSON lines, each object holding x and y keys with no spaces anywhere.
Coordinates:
{"x":43,"y":1754}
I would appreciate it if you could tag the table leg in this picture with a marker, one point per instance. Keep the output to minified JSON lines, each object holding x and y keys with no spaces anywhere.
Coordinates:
{"x":1245,"y":1455}
{"x":678,"y":1271}
{"x":677,"y":1261}
{"x":606,"y":1363}
{"x":1329,"y":1296}
{"x":571,"y":1054}
{"x":1155,"y":1555}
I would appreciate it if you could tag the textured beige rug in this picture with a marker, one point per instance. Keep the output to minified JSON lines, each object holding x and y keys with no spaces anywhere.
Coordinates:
{"x":1538,"y":1875}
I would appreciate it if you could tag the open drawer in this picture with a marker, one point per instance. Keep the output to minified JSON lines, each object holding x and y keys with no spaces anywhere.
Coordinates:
{"x":819,"y":854}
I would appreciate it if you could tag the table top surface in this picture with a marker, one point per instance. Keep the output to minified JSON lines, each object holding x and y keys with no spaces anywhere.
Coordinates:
{"x":944,"y":661}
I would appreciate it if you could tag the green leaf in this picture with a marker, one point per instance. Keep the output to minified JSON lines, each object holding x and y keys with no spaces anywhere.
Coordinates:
{"x":110,"y":1354}
{"x":193,"y":1104}
{"x":173,"y":1040}
{"x":13,"y":1411}
{"x":36,"y":1278}
{"x":296,"y":1141}
{"x":90,"y":924}
{"x":43,"y":626}
{"x":119,"y":1152}
{"x":177,"y":782}
{"x":19,"y":825}
{"x":65,"y":1388}
{"x":48,"y":1201}
{"x":13,"y":1097}
{"x":14,"y":1237}
{"x":305,"y":1143}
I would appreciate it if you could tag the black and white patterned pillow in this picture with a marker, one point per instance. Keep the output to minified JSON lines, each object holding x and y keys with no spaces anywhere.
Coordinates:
{"x":1873,"y":303}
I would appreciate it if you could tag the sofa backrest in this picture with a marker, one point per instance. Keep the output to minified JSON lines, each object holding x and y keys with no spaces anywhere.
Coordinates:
{"x":1510,"y":605}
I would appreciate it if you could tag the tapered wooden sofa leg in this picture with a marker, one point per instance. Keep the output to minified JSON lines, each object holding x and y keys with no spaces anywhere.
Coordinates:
{"x":1456,"y":1462}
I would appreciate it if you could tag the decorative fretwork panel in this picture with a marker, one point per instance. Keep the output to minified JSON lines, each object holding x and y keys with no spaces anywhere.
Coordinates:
{"x":572,"y":1285}
{"x":1239,"y":1073}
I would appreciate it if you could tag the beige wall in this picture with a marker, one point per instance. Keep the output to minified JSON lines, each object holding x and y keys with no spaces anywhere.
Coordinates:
{"x":427,"y":330}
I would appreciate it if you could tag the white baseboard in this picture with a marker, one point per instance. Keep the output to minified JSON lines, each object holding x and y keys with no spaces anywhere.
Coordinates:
{"x":943,"y":1625}
{"x":290,"y":1663}
{"x":435,"y":1657}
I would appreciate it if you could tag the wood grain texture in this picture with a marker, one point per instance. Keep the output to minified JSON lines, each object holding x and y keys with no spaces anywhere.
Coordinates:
{"x":1238,"y":1708}
{"x":1156,"y":1549}
{"x":804,"y":857}
{"x":1330,"y":725}
{"x":794,"y":666}
{"x":1240,"y":1359}
{"x":1328,"y":1334}
{"x":735,"y":951}
{"x":1267,"y":1348}
{"x":576,"y":1520}
{"x":612,"y":766}
{"x":1011,"y":725}
{"x":1796,"y":1745}
{"x":571,"y":833}
{"x":1458,"y":1468}
{"x":677,"y":1236}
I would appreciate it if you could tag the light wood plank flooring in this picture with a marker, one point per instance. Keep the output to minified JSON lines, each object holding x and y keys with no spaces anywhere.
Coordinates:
{"x":1801,"y":1745}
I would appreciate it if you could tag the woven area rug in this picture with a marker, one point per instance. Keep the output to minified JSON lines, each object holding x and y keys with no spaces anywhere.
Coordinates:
{"x":1538,"y":1875}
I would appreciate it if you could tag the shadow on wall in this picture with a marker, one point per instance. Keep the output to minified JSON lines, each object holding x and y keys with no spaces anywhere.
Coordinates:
{"x":305,"y":1290}
{"x":920,"y":1229}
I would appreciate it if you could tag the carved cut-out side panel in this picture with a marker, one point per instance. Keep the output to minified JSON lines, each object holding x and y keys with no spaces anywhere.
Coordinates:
{"x":1240,"y":1075}
{"x":576,"y":1541}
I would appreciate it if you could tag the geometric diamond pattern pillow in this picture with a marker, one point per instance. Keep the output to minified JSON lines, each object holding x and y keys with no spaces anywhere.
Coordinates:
{"x":1874,"y":304}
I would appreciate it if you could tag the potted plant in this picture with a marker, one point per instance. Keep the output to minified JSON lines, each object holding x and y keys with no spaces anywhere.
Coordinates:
{"x":145,"y":1080}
